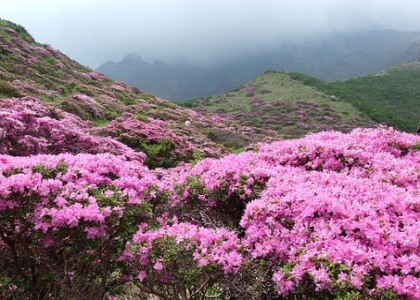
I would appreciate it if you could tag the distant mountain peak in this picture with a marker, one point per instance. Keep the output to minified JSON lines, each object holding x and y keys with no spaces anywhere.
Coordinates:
{"x":331,"y":57}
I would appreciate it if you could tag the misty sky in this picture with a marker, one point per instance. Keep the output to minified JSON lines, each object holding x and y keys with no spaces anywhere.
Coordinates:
{"x":95,"y":31}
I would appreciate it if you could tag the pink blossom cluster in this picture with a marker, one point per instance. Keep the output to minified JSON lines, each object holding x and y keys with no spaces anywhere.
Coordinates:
{"x":10,"y":30}
{"x":316,"y":222}
{"x":119,"y":87}
{"x":224,"y":185}
{"x":96,"y":76}
{"x":343,"y":209}
{"x":163,"y":253}
{"x":26,"y":129}
{"x":85,"y":98}
{"x":64,"y":189}
{"x":112,"y":103}
{"x":381,"y":154}
{"x":133,"y":132}
{"x":95,"y":109}
{"x":335,"y":150}
{"x":74,"y":211}
{"x":42,"y":50}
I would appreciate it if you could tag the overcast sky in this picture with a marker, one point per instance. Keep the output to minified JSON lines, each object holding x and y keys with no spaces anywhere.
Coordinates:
{"x":95,"y":31}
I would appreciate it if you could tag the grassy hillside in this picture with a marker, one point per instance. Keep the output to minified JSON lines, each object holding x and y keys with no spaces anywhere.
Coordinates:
{"x":150,"y":124}
{"x":278,"y":101}
{"x":293,"y":104}
{"x":391,"y":96}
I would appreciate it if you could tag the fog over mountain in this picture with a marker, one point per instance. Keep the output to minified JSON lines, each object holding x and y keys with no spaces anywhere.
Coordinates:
{"x":202,"y":32}
{"x":332,"y":57}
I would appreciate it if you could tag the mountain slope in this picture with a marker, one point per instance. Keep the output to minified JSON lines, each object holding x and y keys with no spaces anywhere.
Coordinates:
{"x":275,"y":100}
{"x":330,"y":58}
{"x":391,"y":96}
{"x":395,"y":90}
{"x":58,"y":86}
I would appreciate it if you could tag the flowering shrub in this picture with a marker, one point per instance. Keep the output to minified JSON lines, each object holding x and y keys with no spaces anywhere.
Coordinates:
{"x":330,"y":215}
{"x":8,"y":90}
{"x":224,"y":185}
{"x":335,"y":233}
{"x":162,"y":146}
{"x":182,"y":255}
{"x":84,"y":107}
{"x":65,"y":219}
{"x":25,"y":129}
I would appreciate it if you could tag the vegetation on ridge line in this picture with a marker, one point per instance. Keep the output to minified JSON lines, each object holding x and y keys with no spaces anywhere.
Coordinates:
{"x":390,"y":97}
{"x":277,"y":101}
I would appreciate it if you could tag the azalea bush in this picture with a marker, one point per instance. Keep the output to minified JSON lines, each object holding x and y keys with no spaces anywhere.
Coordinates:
{"x":8,"y":90}
{"x":163,"y":148}
{"x":182,"y":260}
{"x":330,"y":215}
{"x":27,"y":127}
{"x":347,"y":203}
{"x":334,"y":234}
{"x":65,"y":220}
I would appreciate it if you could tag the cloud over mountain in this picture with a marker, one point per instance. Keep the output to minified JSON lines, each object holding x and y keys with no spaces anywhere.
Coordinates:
{"x":200,"y":31}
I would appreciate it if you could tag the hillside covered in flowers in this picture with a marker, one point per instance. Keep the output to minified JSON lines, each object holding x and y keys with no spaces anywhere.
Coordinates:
{"x":105,"y":193}
{"x":60,"y":88}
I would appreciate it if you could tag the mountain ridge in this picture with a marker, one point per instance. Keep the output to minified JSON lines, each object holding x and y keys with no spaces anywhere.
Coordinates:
{"x":330,"y":58}
{"x":277,"y":101}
